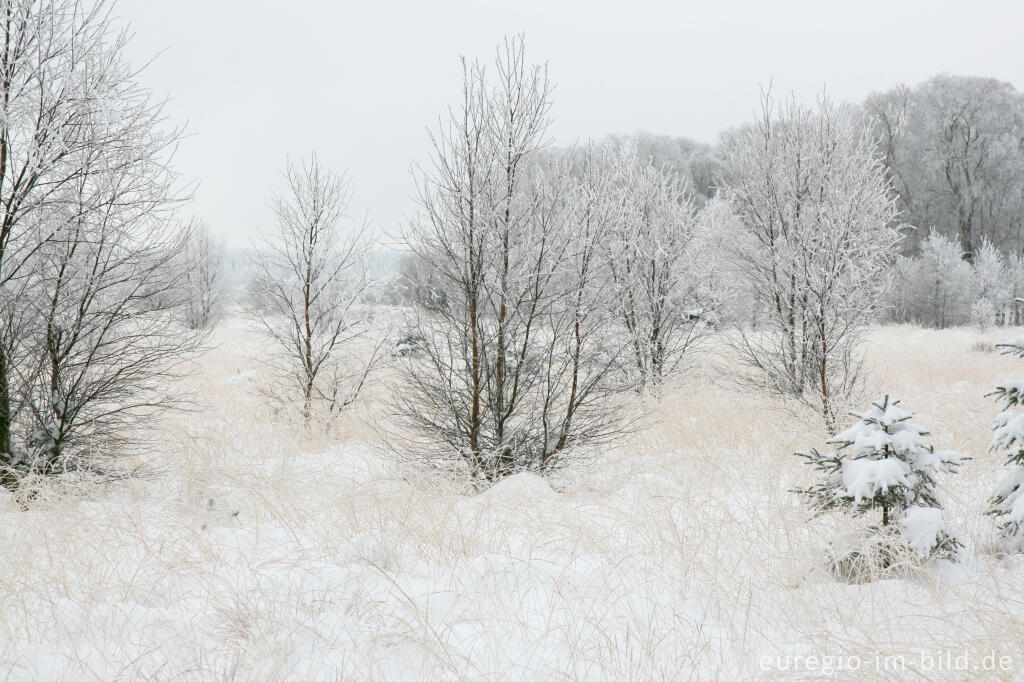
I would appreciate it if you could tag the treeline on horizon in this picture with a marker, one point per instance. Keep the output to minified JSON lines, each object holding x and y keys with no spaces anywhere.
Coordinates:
{"x":952,"y":146}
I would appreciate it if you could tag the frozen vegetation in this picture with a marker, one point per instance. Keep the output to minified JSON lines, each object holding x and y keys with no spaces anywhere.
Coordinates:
{"x":554,"y":434}
{"x":263,"y":553}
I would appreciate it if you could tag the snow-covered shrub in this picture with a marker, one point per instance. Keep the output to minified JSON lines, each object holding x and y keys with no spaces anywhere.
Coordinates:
{"x":408,"y":342}
{"x":982,"y":347}
{"x":1008,"y":434}
{"x":936,"y":288}
{"x":940,"y":289}
{"x":889,"y":468}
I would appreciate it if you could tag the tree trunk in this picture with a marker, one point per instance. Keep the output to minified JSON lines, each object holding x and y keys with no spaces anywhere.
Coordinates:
{"x":826,"y":399}
{"x":7,"y":478}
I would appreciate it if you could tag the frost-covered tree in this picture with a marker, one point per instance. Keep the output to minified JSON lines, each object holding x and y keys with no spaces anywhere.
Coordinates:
{"x":516,"y":368}
{"x":202,"y":262}
{"x":109,"y":338}
{"x":662,"y":268}
{"x":418,"y":283}
{"x":1007,"y":503}
{"x":819,"y":232}
{"x":888,"y":468}
{"x":991,"y":286}
{"x":86,"y":197}
{"x":309,"y":279}
{"x":938,"y":288}
{"x":694,"y":164}
{"x":1015,"y":280}
{"x":952,"y":148}
{"x":935,"y":288}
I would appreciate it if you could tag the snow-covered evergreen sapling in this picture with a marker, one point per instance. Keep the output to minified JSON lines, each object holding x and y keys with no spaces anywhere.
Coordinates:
{"x":884,"y":464}
{"x":1008,"y":433}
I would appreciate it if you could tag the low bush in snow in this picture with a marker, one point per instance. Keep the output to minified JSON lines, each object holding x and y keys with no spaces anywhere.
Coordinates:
{"x":1008,"y":434}
{"x":888,"y":468}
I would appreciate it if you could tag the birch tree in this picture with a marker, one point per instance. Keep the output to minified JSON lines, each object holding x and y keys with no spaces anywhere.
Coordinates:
{"x":516,"y":368}
{"x":202,"y":263}
{"x":109,"y":340}
{"x":815,"y":204}
{"x":660,"y":266}
{"x":85,"y":193}
{"x":310,"y":277}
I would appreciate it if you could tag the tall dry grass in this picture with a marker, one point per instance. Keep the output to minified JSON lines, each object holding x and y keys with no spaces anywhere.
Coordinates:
{"x":263,"y":552}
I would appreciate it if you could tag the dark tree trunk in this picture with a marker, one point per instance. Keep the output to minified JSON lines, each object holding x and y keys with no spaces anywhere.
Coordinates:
{"x":7,"y":478}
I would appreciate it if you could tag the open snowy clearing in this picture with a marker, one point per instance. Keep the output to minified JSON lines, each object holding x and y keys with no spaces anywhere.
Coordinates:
{"x":262,"y":553}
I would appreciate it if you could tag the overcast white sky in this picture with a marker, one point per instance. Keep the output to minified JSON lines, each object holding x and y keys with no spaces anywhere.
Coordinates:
{"x":257,"y":81}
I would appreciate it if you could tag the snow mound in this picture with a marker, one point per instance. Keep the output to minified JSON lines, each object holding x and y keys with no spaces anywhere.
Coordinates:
{"x":922,"y":528}
{"x":519,"y":487}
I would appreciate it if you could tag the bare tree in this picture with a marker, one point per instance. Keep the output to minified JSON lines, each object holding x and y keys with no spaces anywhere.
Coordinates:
{"x":418,"y":283}
{"x":515,"y":367}
{"x":815,"y":204}
{"x":660,"y":267}
{"x":84,"y":192}
{"x":110,"y":338}
{"x":887,"y":115}
{"x":693,"y":163}
{"x":202,"y":263}
{"x":309,"y":280}
{"x":952,"y":146}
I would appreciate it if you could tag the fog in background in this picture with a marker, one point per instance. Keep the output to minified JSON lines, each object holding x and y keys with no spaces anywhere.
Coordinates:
{"x":361,"y":82}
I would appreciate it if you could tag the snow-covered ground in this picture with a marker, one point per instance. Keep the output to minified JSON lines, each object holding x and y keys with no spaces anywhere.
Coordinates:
{"x":262,"y":553}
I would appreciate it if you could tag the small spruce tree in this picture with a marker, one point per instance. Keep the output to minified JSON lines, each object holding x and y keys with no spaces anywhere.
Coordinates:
{"x":884,"y":464}
{"x":1007,"y":502}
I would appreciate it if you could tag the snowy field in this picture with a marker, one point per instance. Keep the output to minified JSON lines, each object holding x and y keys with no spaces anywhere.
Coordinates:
{"x":262,"y":553}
